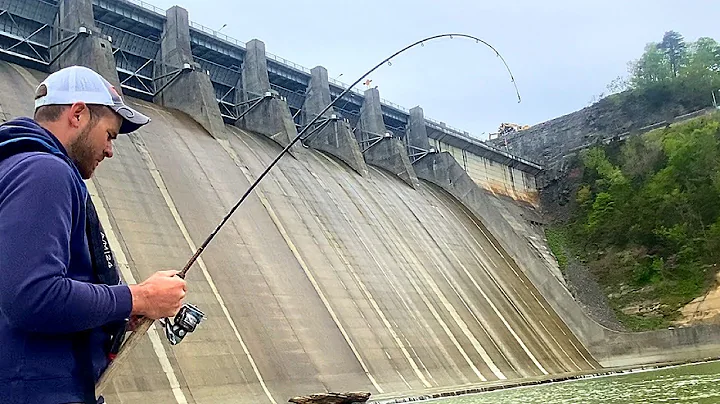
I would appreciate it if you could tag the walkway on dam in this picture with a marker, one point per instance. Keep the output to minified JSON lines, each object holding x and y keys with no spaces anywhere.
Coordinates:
{"x":323,"y":280}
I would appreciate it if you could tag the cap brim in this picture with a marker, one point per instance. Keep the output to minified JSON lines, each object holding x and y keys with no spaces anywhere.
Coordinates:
{"x":132,"y":119}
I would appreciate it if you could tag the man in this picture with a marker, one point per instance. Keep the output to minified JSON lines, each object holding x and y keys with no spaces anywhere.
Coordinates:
{"x":62,"y":305}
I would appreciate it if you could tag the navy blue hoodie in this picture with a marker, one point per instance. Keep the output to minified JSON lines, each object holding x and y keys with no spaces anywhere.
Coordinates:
{"x":47,"y":284}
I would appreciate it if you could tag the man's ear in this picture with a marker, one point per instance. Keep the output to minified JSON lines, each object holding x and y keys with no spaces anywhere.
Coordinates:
{"x":77,"y":114}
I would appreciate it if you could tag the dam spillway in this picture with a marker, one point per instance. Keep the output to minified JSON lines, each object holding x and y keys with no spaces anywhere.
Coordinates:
{"x":364,"y":261}
{"x":332,"y":281}
{"x":324,"y":280}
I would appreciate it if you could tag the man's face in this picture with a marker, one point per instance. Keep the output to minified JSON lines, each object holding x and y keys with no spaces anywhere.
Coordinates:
{"x":94,"y":142}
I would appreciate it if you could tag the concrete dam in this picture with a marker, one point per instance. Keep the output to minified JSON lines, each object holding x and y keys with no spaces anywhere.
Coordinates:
{"x":391,"y":254}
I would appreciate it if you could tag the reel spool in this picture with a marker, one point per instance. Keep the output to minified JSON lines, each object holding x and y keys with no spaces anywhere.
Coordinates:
{"x":185,"y":322}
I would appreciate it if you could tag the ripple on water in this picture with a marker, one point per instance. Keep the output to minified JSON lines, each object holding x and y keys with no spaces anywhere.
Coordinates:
{"x":685,"y":384}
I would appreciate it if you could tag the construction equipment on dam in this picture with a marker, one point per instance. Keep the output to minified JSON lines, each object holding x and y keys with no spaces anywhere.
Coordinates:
{"x":346,"y":271}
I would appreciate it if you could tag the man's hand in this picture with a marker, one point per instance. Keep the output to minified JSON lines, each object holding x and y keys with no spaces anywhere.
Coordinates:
{"x":133,"y":322}
{"x":159,"y":296}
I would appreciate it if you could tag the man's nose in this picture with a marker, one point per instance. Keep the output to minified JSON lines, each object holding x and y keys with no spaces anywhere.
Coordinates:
{"x":109,"y":150}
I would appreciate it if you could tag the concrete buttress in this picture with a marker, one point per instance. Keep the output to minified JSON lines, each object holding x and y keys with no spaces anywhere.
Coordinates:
{"x":271,"y":117}
{"x":416,"y":130}
{"x":185,"y":86}
{"x":89,"y":48}
{"x":335,"y":137}
{"x":383,"y":150}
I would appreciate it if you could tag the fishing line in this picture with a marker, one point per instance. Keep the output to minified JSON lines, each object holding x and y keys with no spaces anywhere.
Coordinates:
{"x":192,"y":314}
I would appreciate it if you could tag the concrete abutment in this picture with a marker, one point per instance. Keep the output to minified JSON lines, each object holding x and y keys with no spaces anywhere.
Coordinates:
{"x":81,"y":43}
{"x":184,"y":85}
{"x":380,"y":148}
{"x":417,"y":137}
{"x":271,"y":116}
{"x":335,"y":137}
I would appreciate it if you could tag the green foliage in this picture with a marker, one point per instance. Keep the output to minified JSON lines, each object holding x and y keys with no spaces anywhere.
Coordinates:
{"x":674,"y":47}
{"x":671,"y":70}
{"x":673,"y":58}
{"x":603,"y":213}
{"x":653,"y":67}
{"x":647,"y":213}
{"x":641,"y":323}
{"x":639,"y":158}
{"x":584,"y":197}
{"x":557,"y":240}
{"x":609,"y":192}
{"x":704,"y":57}
{"x":648,"y":217}
{"x":712,"y":243}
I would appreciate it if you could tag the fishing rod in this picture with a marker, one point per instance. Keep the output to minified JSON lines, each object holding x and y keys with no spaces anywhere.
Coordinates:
{"x":190,"y":316}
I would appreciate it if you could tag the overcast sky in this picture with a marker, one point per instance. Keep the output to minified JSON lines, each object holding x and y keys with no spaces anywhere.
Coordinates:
{"x":561,"y":52}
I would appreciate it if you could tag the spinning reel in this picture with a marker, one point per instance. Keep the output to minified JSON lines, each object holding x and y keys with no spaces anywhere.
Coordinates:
{"x":185,"y":322}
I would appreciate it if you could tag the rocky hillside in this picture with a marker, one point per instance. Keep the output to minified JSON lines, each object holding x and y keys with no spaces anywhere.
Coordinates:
{"x":645,"y":220}
{"x":631,"y":187}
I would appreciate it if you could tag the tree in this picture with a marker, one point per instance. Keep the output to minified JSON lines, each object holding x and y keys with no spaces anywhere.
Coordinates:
{"x":704,"y":57}
{"x":652,"y":67}
{"x":673,"y":45}
{"x":674,"y":69}
{"x":673,"y":76}
{"x":641,"y":158}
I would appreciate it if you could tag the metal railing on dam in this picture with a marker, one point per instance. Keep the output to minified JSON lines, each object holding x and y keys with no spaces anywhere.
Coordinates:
{"x":136,"y":26}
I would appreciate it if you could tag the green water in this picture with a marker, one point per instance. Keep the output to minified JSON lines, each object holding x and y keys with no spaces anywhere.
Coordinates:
{"x":684,"y":384}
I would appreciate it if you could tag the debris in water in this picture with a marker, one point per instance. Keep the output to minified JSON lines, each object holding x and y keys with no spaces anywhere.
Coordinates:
{"x":332,"y":398}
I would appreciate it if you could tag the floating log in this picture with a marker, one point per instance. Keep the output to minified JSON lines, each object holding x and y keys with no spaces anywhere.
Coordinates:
{"x":332,"y":398}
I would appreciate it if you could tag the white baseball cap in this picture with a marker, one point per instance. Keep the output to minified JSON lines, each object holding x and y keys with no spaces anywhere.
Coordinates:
{"x":80,"y":84}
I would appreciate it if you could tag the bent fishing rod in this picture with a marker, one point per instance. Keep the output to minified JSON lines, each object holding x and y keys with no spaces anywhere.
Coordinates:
{"x":190,"y":316}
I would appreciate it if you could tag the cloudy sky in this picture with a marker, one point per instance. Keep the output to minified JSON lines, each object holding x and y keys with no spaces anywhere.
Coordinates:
{"x":562,"y":52}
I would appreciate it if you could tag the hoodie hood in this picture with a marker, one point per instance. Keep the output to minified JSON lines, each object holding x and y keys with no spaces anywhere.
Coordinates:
{"x":25,"y":135}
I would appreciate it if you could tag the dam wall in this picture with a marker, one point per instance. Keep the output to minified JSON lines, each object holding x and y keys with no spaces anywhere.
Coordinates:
{"x":323,"y":280}
{"x":396,"y":274}
{"x":514,"y":227}
{"x":150,"y":53}
{"x":498,"y":178}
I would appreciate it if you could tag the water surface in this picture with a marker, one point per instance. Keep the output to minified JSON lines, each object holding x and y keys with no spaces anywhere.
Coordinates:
{"x":685,"y":384}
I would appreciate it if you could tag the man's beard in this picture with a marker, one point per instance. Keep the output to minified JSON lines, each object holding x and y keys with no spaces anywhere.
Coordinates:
{"x":80,"y":151}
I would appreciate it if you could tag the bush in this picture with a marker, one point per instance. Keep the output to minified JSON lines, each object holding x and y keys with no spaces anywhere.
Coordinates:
{"x":654,"y":205}
{"x":557,"y":241}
